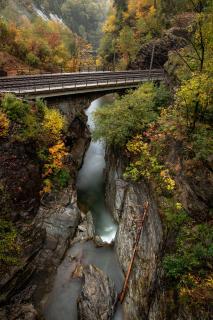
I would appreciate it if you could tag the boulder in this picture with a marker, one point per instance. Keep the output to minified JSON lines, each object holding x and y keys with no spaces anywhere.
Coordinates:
{"x":98,"y":297}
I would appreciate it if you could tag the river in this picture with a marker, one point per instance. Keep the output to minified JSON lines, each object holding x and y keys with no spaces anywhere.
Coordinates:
{"x":62,"y":301}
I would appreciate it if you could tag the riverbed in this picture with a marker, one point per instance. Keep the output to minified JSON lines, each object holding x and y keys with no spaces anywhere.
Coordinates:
{"x":62,"y":301}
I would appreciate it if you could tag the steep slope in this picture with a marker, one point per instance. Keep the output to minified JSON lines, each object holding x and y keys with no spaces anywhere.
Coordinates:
{"x":85,"y":19}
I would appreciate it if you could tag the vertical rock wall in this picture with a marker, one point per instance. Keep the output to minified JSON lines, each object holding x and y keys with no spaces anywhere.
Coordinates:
{"x":126,"y":200}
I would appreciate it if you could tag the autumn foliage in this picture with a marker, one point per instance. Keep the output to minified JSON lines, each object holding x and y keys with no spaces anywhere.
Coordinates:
{"x":47,"y":45}
{"x":42,"y":126}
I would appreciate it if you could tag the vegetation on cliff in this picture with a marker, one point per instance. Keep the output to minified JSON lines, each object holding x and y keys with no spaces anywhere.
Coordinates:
{"x":40,"y":125}
{"x":43,"y":128}
{"x":183,"y":128}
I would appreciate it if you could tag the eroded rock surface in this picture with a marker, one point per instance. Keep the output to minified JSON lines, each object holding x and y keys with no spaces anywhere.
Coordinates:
{"x":46,"y":226}
{"x":173,"y":39}
{"x":20,"y":312}
{"x":126,"y":201}
{"x":147,"y":297}
{"x":97,"y":299}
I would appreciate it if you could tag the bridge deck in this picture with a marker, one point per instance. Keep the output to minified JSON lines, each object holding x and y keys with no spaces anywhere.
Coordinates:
{"x":74,"y":83}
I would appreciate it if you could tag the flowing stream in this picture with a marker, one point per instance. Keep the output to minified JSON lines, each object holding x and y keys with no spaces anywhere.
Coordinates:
{"x":62,"y":301}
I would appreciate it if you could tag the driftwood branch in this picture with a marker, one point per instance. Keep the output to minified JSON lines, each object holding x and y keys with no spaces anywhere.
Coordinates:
{"x":140,"y":226}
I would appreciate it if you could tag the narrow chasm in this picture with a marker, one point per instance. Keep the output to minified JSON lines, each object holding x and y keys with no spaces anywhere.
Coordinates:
{"x":89,"y":278}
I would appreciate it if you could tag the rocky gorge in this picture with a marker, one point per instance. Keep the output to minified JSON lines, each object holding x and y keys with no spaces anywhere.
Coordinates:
{"x":57,"y":235}
{"x":148,"y":296}
{"x":47,"y":236}
{"x":68,"y":267}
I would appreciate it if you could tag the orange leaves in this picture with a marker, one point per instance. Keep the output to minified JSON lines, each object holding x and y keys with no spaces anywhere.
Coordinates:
{"x":57,"y":155}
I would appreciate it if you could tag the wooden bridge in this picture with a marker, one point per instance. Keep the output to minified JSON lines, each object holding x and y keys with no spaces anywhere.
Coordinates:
{"x":66,"y":84}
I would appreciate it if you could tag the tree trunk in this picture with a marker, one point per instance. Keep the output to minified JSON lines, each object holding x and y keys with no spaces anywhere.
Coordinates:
{"x":152,"y":59}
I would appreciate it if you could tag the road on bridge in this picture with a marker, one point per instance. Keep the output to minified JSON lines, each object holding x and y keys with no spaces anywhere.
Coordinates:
{"x":47,"y":85}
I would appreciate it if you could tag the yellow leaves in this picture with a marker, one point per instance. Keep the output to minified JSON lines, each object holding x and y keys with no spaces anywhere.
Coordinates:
{"x":4,"y":124}
{"x":53,"y":124}
{"x":139,"y":8}
{"x":179,"y":206}
{"x":145,"y":164}
{"x":136,"y":145}
{"x":47,"y":186}
{"x":195,"y":97}
{"x":169,"y":182}
{"x":197,"y":290}
{"x":110,"y":24}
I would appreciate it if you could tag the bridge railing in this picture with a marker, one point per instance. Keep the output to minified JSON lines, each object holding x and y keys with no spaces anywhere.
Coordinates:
{"x":31,"y":71}
{"x":74,"y":84}
{"x":38,"y":72}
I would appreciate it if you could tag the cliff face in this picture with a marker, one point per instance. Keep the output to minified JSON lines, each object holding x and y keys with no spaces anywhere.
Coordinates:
{"x":126,"y":201}
{"x":45,"y":226}
{"x":172,"y":40}
{"x":149,"y":295}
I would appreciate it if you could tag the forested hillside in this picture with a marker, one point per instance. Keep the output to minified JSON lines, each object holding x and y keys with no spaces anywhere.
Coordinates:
{"x":49,"y":35}
{"x":82,"y":17}
{"x":134,"y":27}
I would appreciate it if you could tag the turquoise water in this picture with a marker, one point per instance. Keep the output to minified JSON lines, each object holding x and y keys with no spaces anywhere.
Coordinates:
{"x":90,"y":182}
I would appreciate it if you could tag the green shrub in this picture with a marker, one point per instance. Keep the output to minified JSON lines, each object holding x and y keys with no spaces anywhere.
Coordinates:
{"x":32,"y":59}
{"x":62,"y":178}
{"x":40,"y":106}
{"x":9,"y":248}
{"x":15,"y":108}
{"x":202,"y":142}
{"x":128,"y":115}
{"x":162,"y":97}
{"x":30,"y":128}
{"x":194,"y":253}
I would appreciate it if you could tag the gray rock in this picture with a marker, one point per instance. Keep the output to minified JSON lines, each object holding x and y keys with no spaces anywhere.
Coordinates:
{"x":23,"y":312}
{"x":126,"y":201}
{"x":100,"y":243}
{"x":90,"y":225}
{"x":60,"y":221}
{"x":97,"y":299}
